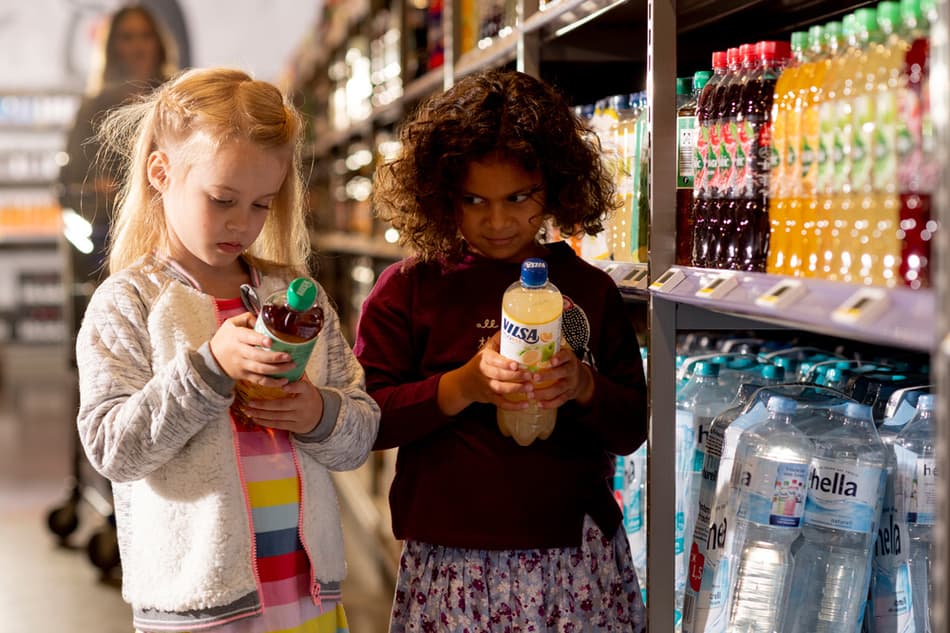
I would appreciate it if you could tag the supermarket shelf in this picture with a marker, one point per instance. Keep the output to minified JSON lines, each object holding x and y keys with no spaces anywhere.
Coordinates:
{"x":501,"y":51}
{"x":334,"y":138}
{"x":898,"y":317}
{"x":353,"y":244}
{"x":631,"y":278}
{"x":424,"y":86}
{"x":562,"y":17}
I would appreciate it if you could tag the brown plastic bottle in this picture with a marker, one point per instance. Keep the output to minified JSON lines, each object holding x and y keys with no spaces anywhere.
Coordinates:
{"x":749,"y":236}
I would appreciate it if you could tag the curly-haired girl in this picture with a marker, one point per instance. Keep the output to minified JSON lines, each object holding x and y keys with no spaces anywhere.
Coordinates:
{"x":500,"y":536}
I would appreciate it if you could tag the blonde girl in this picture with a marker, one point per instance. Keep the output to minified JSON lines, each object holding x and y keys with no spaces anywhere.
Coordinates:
{"x":222,"y":526}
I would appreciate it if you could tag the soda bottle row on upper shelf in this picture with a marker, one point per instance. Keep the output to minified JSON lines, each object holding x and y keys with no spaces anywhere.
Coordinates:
{"x":815,"y":158}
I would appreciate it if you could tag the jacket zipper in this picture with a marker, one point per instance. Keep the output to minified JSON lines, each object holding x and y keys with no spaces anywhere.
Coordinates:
{"x":314,"y":585}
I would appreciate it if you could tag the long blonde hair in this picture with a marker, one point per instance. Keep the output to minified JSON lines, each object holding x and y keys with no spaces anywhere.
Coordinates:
{"x":224,"y":105}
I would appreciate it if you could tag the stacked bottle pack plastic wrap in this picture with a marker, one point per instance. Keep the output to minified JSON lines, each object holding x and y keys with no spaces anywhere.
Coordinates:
{"x":804,"y":477}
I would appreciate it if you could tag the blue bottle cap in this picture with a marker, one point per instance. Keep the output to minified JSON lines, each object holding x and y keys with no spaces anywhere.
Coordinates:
{"x":704,"y":368}
{"x":534,"y":272}
{"x":773,"y":372}
{"x":301,"y":293}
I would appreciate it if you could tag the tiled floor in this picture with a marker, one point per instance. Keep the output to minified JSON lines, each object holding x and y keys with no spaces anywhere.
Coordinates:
{"x":46,"y":587}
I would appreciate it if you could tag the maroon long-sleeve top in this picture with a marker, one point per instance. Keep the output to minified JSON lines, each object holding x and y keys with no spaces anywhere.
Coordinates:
{"x":459,"y":482}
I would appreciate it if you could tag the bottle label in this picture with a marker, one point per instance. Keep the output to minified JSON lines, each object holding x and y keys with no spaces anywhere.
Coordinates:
{"x":916,"y":492}
{"x":884,"y":170}
{"x":299,"y":352}
{"x":909,"y":141}
{"x":532,"y":345}
{"x":686,"y":131}
{"x":775,"y":492}
{"x":843,"y":495}
{"x":862,"y":143}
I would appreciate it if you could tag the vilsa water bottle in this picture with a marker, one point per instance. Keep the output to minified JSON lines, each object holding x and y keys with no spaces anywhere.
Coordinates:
{"x":292,"y":319}
{"x":531,"y":335}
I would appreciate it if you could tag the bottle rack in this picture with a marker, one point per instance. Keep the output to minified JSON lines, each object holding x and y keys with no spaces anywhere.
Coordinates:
{"x":594,"y":48}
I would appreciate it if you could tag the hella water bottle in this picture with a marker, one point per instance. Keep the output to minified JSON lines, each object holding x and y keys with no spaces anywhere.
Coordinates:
{"x":769,"y":479}
{"x":531,"y":335}
{"x":917,"y":500}
{"x":634,"y":511}
{"x":845,"y":488}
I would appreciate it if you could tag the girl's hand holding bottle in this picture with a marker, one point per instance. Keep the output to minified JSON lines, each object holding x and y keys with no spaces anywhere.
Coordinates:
{"x":299,"y":412}
{"x":238,"y":349}
{"x":489,"y":377}
{"x":244,"y":354}
{"x":566,"y":379}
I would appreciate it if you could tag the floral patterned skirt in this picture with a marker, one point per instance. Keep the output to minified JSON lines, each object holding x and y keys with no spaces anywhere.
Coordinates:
{"x":591,"y":588}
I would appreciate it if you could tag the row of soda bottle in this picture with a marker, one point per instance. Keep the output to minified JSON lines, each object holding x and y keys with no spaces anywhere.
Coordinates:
{"x":814,"y":158}
{"x":804,"y":478}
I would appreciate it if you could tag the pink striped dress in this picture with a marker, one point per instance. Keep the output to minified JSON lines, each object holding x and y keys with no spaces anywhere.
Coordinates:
{"x":273,"y":493}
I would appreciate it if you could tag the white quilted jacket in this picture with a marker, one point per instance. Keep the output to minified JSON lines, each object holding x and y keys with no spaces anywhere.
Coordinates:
{"x":154,"y":419}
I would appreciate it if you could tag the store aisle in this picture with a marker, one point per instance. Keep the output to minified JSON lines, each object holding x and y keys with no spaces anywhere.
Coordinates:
{"x":47,"y":587}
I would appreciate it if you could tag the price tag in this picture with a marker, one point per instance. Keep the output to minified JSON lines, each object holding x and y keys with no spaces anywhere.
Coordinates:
{"x":863,"y":307}
{"x":635,"y":278}
{"x":718,"y":287}
{"x":668,"y":280}
{"x":782,"y":294}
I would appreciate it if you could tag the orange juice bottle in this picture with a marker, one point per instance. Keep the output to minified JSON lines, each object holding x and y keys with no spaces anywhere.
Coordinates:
{"x":793,"y":173}
{"x":865,"y":257}
{"x":824,"y":200}
{"x":531,"y":335}
{"x":784,"y":158}
{"x":818,"y":37}
{"x":889,"y":78}
{"x":838,"y":203}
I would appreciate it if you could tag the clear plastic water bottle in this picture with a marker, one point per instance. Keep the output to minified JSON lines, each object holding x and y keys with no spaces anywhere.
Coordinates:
{"x":918,"y":479}
{"x":531,"y":335}
{"x":768,"y":484}
{"x":699,"y":401}
{"x":634,"y":507}
{"x":845,"y":488}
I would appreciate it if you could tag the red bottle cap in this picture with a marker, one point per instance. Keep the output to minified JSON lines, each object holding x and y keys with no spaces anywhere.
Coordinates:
{"x":747,"y":53}
{"x":732,"y":56}
{"x":771,"y":50}
{"x":719,"y":59}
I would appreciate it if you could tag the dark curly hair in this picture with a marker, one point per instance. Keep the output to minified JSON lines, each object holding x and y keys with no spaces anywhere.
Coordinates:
{"x":500,"y":113}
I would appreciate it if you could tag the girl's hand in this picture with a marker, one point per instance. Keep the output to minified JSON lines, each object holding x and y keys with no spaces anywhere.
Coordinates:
{"x":299,"y":412}
{"x":486,"y":377}
{"x":237,"y":348}
{"x":566,"y":379}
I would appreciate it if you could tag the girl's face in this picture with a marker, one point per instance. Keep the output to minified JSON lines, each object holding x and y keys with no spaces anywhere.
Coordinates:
{"x":501,"y":209}
{"x":137,"y":46}
{"x":216,"y":200}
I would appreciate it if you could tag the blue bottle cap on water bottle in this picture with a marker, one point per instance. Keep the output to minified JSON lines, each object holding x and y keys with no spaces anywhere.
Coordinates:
{"x":705,"y":368}
{"x":534,"y":272}
{"x":301,"y":293}
{"x":773,"y":372}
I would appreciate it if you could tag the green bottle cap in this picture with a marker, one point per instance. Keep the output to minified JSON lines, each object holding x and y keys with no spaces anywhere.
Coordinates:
{"x":799,"y":40}
{"x":867,"y":20}
{"x":911,"y":12}
{"x":816,"y":36}
{"x":889,"y":15}
{"x":684,"y":85}
{"x":700,"y":79}
{"x":301,"y":293}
